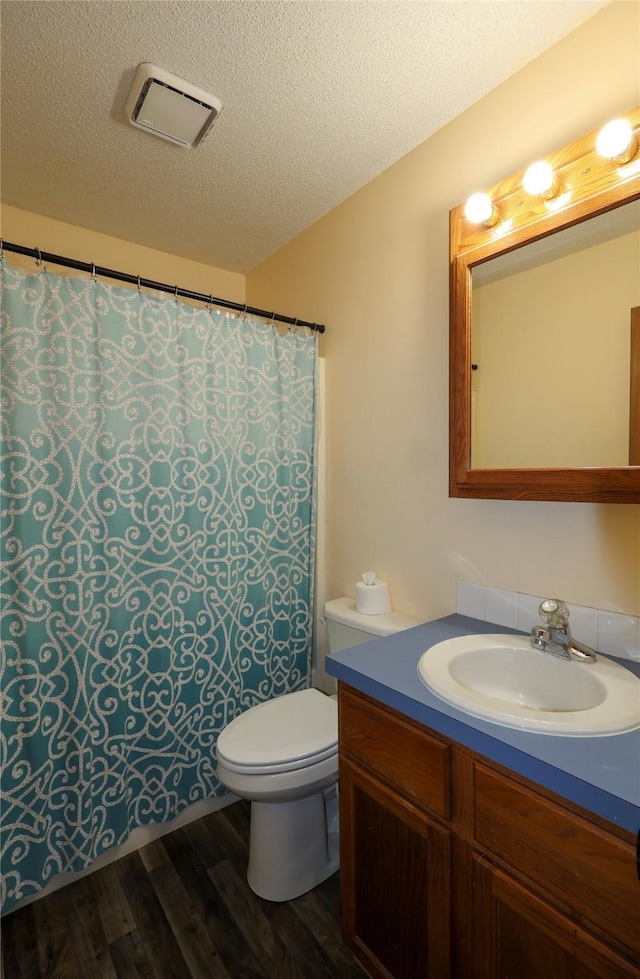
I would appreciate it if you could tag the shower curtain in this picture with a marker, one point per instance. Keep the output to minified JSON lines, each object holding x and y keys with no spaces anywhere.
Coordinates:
{"x":158,"y":495}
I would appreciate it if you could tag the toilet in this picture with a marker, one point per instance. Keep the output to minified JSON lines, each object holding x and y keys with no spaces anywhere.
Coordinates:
{"x":282,"y":755}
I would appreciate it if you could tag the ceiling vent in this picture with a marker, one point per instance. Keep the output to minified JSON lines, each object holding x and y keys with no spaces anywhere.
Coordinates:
{"x":167,"y":106}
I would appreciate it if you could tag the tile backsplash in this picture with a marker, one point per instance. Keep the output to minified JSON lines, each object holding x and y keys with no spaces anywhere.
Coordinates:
{"x":608,"y":632}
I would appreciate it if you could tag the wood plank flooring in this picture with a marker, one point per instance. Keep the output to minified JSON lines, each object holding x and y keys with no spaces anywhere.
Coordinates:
{"x":179,"y":908}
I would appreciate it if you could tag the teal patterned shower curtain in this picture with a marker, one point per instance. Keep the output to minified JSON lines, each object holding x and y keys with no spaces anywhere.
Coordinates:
{"x":158,"y":494}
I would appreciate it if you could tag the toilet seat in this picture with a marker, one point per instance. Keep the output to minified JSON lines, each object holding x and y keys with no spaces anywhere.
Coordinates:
{"x":282,"y":735}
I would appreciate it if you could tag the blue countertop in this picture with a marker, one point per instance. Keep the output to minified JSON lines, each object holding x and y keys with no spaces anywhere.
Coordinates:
{"x":601,"y":774}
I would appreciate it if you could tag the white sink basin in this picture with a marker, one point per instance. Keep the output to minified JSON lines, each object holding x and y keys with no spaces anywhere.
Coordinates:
{"x":506,"y":680}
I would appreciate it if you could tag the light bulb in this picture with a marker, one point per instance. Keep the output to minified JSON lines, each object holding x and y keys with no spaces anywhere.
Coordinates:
{"x":540,"y":180}
{"x":616,"y":141}
{"x":480,"y":209}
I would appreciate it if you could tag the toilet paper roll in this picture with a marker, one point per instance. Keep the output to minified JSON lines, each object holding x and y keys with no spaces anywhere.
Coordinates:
{"x":372,"y":595}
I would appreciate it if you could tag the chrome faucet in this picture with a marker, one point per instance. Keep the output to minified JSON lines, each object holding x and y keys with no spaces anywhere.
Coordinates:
{"x":554,"y":636}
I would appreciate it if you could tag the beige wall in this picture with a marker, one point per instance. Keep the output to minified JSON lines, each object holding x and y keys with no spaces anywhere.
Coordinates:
{"x":552,"y":346}
{"x":36,"y":231}
{"x":375,"y":270}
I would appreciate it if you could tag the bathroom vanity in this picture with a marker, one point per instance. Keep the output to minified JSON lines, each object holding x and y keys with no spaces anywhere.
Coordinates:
{"x":474,"y":850}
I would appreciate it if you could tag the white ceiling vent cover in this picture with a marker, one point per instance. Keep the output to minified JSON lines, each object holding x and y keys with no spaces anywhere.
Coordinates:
{"x":170,"y":107}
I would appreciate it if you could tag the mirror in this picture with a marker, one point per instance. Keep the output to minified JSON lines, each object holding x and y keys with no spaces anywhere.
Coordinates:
{"x":545,"y":337}
{"x":550,"y":338}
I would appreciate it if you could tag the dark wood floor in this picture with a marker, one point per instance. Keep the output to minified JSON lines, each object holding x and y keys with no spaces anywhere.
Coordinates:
{"x":179,"y":908}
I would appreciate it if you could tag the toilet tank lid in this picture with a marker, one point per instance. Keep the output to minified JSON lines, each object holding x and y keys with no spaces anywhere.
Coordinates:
{"x":344,"y":610}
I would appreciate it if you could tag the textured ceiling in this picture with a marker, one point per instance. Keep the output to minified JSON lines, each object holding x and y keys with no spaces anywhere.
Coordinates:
{"x":318,"y":98}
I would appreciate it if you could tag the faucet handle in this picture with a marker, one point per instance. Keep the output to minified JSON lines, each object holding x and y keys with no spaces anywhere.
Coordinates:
{"x":554,"y":613}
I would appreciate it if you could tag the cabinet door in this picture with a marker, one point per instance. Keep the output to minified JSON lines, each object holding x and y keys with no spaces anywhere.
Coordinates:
{"x":519,"y":936}
{"x":395,"y":871}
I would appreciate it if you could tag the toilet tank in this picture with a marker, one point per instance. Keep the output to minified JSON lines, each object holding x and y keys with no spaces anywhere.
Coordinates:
{"x":347,"y":627}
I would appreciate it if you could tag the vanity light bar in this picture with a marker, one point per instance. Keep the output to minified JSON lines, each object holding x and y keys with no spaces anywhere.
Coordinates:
{"x":616,"y":141}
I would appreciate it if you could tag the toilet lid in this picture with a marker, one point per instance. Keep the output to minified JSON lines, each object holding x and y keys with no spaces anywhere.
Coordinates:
{"x":281,"y":735}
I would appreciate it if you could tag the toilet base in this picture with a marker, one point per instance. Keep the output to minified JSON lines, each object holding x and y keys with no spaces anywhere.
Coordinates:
{"x":293,"y":845}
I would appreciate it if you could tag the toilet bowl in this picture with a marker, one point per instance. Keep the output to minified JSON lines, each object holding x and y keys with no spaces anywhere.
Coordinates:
{"x":282,"y":755}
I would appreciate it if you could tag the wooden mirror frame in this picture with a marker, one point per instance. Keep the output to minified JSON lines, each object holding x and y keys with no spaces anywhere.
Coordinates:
{"x":589,"y":185}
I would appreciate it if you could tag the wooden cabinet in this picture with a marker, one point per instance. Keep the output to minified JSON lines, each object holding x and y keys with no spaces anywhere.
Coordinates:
{"x":453,"y":868}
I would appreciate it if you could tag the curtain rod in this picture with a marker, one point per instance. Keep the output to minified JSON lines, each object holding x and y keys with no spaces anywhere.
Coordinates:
{"x":72,"y":263}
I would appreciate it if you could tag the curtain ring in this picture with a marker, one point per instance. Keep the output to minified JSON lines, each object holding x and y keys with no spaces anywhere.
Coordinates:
{"x":175,"y":294}
{"x":93,"y":271}
{"x":39,"y":263}
{"x":1,"y":249}
{"x":138,"y":283}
